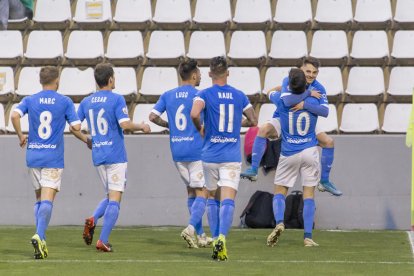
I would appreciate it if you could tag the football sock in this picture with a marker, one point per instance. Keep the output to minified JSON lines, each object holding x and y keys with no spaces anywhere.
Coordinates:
{"x":197,"y":212}
{"x":110,"y":217}
{"x":100,"y":210}
{"x":190,"y":202}
{"x":226,"y":216}
{"x":279,"y":206}
{"x":36,"y":210}
{"x":213,"y":209}
{"x":259,"y":147}
{"x":326,"y":163}
{"x":308,"y":216}
{"x":44,"y":214}
{"x":199,"y":226}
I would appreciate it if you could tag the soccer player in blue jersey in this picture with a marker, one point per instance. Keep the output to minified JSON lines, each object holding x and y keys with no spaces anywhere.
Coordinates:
{"x":271,"y":130}
{"x":186,"y":145}
{"x":107,"y":116}
{"x":223,"y":107}
{"x":48,"y":113}
{"x":299,"y":155}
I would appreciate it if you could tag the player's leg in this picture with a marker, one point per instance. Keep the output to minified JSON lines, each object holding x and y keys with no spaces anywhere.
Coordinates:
{"x":328,"y":147}
{"x":116,"y":186}
{"x":211,"y":175}
{"x":268,"y":130}
{"x":310,"y":174}
{"x":34,"y":175}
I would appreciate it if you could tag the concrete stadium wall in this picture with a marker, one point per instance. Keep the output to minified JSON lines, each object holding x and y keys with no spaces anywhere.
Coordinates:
{"x":372,"y":171}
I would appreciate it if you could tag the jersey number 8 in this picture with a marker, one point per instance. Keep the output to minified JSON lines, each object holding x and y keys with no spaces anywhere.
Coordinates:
{"x":45,"y":130}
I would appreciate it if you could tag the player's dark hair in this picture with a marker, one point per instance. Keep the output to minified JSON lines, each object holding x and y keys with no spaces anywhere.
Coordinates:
{"x":313,"y":61}
{"x":103,"y":72}
{"x":48,"y":74}
{"x":297,"y":81}
{"x":218,"y":65}
{"x":187,"y":68}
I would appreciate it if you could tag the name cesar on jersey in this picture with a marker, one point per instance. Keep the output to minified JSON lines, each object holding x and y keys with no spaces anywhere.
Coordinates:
{"x":98,"y":100}
{"x":47,"y":100}
{"x":225,"y":95}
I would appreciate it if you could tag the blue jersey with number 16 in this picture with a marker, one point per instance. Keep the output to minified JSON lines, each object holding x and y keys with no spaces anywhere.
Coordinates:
{"x":104,"y":111}
{"x":48,"y":113}
{"x":185,"y":141}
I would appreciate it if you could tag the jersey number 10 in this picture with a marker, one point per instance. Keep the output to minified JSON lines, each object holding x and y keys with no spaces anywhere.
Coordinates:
{"x":302,"y":131}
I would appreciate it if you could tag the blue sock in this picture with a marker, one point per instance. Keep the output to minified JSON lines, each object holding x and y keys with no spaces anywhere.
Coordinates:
{"x":44,"y":214}
{"x":226,"y":216}
{"x":190,"y":202}
{"x":213,"y":211}
{"x":326,"y":163}
{"x":100,"y":210}
{"x":279,"y":206}
{"x":36,"y":210}
{"x":308,"y":216}
{"x":110,"y":217}
{"x":199,"y":226}
{"x":197,"y":211}
{"x":259,"y":147}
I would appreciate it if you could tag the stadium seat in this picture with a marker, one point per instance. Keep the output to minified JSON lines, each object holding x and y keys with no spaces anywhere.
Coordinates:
{"x":125,"y":48}
{"x":369,"y":48}
{"x":85,"y":48}
{"x":157,"y":80}
{"x":396,"y":118}
{"x":288,"y":48}
{"x":330,"y":47}
{"x":24,"y":122}
{"x":166,"y":47}
{"x":274,"y":77}
{"x":331,"y":79}
{"x":365,"y":82}
{"x":77,"y":83}
{"x":212,"y":14}
{"x":266,"y":112}
{"x":205,"y":45}
{"x":6,"y":81}
{"x":402,"y":50}
{"x":172,"y":14}
{"x":404,"y":16}
{"x":401,"y":82}
{"x":359,"y":118}
{"x":260,"y":19}
{"x":18,"y":24}
{"x":58,"y":19}
{"x":247,"y":48}
{"x":28,"y":83}
{"x":126,"y":82}
{"x":330,"y":123}
{"x":93,"y":14}
{"x":334,"y":14}
{"x":373,"y":14}
{"x":37,"y":53}
{"x":141,"y":113}
{"x":246,"y":79}
{"x":11,"y":47}
{"x":293,"y":14}
{"x":2,"y":120}
{"x":205,"y":78}
{"x":133,"y":14}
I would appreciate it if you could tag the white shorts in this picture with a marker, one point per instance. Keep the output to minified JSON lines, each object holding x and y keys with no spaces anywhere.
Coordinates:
{"x":275,"y":122}
{"x":222,"y":174}
{"x":306,"y":163}
{"x":46,"y":177}
{"x":191,"y":173}
{"x":113,"y":176}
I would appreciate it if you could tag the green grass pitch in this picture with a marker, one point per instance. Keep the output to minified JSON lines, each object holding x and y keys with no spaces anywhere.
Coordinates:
{"x":161,"y":251}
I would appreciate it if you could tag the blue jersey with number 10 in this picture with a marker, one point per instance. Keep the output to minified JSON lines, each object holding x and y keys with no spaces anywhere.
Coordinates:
{"x":104,"y":111}
{"x":185,"y":141}
{"x":48,"y":113}
{"x":223,"y":114}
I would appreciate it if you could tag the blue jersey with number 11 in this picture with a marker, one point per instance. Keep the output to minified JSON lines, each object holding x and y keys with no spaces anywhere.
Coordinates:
{"x":185,"y":141}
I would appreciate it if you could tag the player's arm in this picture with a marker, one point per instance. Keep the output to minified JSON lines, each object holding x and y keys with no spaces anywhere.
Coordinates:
{"x":78,"y":134}
{"x":198,"y":106}
{"x":274,"y":89}
{"x":156,"y":119}
{"x":251,"y":119}
{"x":317,"y":109}
{"x":15,"y":118}
{"x":130,"y":126}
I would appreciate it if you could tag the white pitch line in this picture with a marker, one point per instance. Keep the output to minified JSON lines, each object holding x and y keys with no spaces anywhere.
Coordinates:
{"x":188,"y":261}
{"x":411,"y":239}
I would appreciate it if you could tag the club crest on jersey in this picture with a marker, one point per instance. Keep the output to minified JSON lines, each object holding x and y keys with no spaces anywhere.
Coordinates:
{"x":115,"y":178}
{"x":125,"y":110}
{"x":200,"y":175}
{"x":232,"y":174}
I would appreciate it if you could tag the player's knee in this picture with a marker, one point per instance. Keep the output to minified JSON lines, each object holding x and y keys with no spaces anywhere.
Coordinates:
{"x":265,"y":130}
{"x":326,"y":141}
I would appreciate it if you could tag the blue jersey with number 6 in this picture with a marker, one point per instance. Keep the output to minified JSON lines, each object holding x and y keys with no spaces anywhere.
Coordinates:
{"x":105,"y":111}
{"x":185,"y":141}
{"x":223,"y":114}
{"x":48,"y":113}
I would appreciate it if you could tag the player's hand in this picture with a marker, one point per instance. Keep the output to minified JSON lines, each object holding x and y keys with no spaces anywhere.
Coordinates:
{"x":145,"y":127}
{"x":316,"y":94}
{"x":89,"y":143}
{"x":298,"y":107}
{"x":278,"y":88}
{"x":23,"y":141}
